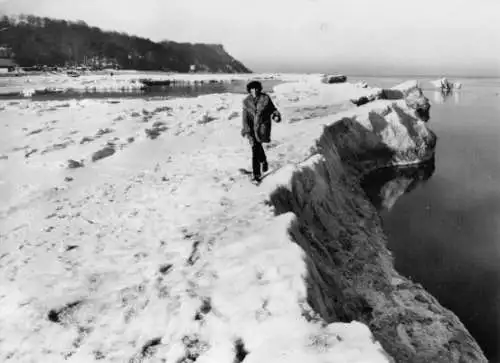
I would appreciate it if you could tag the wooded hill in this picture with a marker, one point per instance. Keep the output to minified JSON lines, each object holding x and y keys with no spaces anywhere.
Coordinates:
{"x":52,"y":42}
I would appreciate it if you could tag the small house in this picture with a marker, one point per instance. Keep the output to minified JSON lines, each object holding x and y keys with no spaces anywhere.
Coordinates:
{"x":7,"y":65}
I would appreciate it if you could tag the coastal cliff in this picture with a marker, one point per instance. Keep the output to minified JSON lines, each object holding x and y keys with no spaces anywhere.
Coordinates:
{"x":37,"y":42}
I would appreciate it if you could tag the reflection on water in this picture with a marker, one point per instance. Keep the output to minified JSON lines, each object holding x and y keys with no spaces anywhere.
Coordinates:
{"x":384,"y":186}
{"x":447,"y":95}
{"x":445,"y":234}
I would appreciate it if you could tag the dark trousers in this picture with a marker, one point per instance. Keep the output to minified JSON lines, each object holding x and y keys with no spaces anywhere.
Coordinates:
{"x":258,"y":157}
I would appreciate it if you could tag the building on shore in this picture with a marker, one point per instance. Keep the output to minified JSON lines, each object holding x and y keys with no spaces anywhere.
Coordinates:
{"x":7,"y":63}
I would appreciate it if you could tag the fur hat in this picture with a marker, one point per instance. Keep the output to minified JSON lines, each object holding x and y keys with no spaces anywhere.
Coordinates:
{"x":254,"y":84}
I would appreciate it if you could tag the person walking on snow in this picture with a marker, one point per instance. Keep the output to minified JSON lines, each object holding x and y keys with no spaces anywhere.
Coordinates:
{"x":258,"y":112}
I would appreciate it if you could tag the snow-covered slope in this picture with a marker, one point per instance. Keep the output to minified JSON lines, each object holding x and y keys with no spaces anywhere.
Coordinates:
{"x":161,"y":251}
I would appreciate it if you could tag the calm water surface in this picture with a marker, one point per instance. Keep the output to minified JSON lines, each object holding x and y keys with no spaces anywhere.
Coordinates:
{"x":445,"y":231}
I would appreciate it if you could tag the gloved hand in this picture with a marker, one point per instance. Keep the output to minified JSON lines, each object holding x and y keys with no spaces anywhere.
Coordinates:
{"x":276,"y":117}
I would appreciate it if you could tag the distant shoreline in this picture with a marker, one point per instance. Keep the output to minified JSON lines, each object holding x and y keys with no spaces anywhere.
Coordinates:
{"x":104,"y":73}
{"x":135,"y":71}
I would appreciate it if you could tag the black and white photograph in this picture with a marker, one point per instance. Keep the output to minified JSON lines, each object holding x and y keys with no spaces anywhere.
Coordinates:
{"x":265,"y":181}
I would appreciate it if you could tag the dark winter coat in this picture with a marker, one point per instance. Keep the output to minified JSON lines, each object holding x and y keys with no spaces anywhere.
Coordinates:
{"x":257,"y":114}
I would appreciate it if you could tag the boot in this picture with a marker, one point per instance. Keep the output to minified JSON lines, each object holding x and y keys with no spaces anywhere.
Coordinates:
{"x":256,"y":179}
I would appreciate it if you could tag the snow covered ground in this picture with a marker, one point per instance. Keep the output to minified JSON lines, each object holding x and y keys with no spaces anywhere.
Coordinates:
{"x":160,"y":251}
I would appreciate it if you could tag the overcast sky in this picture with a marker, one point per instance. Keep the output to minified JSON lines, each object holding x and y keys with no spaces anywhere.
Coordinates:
{"x":351,"y":36}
